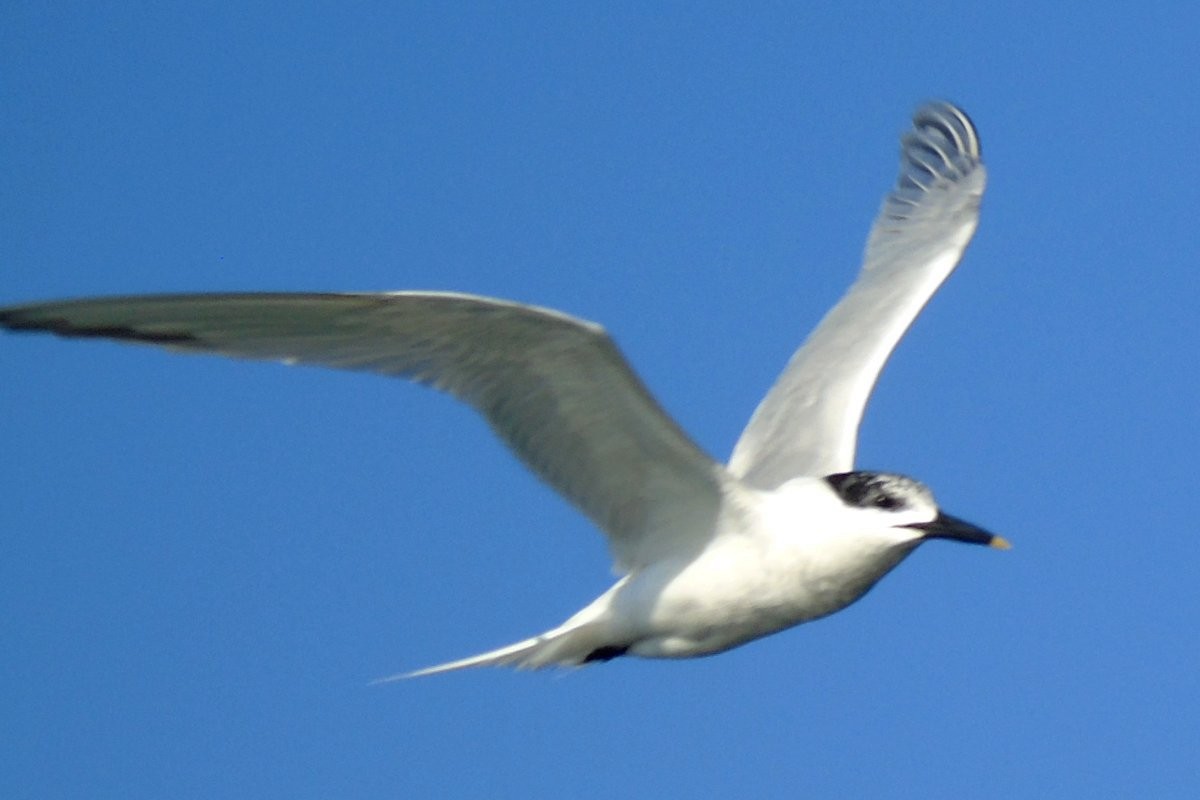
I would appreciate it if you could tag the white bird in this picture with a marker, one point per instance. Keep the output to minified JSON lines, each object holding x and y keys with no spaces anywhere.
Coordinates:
{"x":711,"y":556}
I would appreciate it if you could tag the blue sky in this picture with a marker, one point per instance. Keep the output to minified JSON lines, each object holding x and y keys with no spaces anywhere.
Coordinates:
{"x":205,"y":562}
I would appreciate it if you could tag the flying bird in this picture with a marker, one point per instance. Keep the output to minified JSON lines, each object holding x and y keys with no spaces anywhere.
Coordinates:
{"x":710,"y":556}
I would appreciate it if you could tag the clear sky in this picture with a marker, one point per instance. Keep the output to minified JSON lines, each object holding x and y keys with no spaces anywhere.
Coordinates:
{"x":205,"y":562}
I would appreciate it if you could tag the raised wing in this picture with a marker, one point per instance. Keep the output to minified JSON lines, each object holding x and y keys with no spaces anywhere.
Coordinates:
{"x":808,"y":422}
{"x":553,"y":387}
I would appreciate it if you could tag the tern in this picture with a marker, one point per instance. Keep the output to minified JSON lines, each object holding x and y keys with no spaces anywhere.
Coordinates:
{"x":710,"y":556}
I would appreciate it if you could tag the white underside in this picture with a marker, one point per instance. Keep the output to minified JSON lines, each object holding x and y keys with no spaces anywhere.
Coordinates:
{"x":770,"y":568}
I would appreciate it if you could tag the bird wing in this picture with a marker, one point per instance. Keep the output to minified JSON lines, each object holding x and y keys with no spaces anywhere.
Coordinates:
{"x":554,"y":388}
{"x":808,"y":422}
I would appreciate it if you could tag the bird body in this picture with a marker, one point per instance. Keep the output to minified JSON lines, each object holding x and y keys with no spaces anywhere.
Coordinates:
{"x":779,"y":558}
{"x":712,"y":556}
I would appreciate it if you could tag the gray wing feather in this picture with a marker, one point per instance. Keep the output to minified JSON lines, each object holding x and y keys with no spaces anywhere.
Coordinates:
{"x":554,"y":388}
{"x":808,"y":422}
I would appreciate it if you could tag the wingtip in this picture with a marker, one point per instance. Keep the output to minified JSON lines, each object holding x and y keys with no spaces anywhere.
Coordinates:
{"x":949,"y":121}
{"x":942,"y":147}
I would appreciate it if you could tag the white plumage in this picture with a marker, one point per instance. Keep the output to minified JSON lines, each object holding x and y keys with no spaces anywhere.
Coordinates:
{"x":712,"y":556}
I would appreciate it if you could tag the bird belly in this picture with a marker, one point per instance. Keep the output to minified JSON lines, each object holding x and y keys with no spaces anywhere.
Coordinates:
{"x":734,"y":594}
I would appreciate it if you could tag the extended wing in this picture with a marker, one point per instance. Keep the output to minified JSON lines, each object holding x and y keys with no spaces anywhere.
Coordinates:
{"x":553,"y":387}
{"x":808,"y":422}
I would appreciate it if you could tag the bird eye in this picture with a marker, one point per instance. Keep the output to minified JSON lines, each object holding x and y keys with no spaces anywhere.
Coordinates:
{"x":886,"y":502}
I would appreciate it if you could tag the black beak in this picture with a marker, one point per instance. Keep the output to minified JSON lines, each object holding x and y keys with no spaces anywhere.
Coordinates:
{"x":948,"y":527}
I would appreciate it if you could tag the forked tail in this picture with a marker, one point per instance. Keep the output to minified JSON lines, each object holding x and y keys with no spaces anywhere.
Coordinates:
{"x":571,"y":644}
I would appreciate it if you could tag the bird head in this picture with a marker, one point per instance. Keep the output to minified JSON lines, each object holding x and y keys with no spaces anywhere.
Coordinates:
{"x":905,"y":504}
